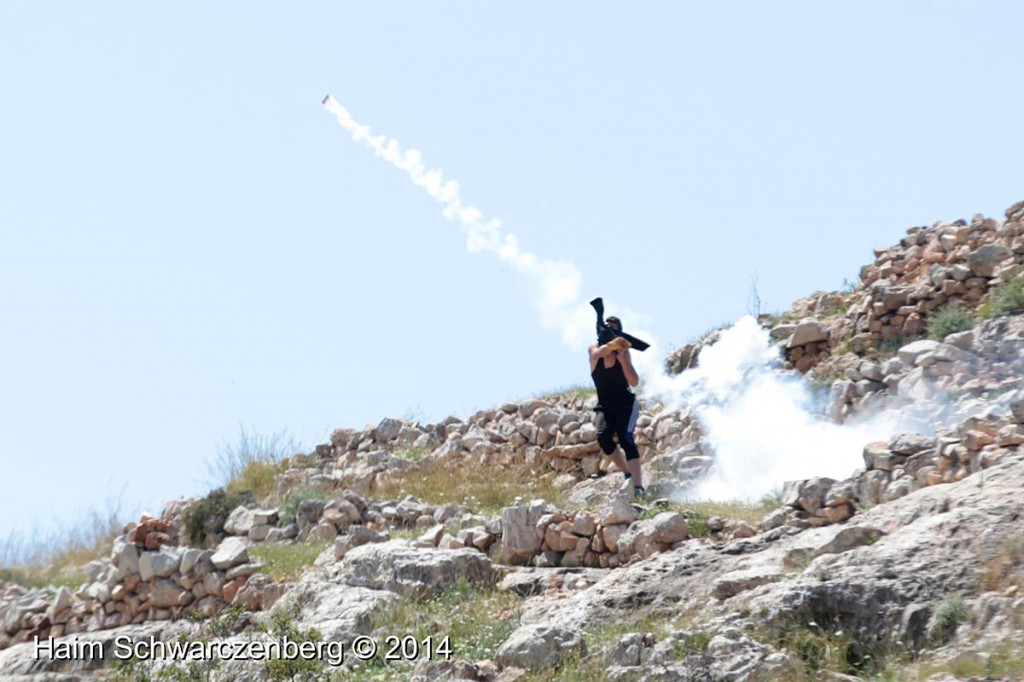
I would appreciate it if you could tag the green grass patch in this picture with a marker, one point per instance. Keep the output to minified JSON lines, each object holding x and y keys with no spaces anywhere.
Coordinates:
{"x":699,"y":512}
{"x":472,"y":620}
{"x":286,"y":562}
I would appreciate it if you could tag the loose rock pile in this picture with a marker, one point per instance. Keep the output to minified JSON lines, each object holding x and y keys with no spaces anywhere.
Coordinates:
{"x":947,"y":381}
{"x":546,"y":434}
{"x":933,"y":267}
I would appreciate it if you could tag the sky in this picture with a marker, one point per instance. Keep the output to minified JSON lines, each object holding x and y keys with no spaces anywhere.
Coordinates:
{"x":190,"y":245}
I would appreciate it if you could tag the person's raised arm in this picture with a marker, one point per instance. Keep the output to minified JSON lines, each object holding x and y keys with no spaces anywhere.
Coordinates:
{"x":627,"y":367}
{"x":598,"y":353}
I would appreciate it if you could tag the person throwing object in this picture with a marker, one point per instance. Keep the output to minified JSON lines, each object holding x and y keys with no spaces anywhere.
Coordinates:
{"x":617,"y":407}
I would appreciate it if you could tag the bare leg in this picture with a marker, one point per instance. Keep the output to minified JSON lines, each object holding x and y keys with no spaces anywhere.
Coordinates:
{"x":633,"y":466}
{"x":620,"y":461}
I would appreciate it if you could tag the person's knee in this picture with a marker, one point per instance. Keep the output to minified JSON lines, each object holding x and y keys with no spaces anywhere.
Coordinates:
{"x":607,"y":443}
{"x":630,"y":448}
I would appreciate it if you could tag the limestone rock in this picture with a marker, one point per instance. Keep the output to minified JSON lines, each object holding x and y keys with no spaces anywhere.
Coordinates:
{"x":534,"y":647}
{"x":519,"y":541}
{"x":231,"y":552}
{"x":402,"y":567}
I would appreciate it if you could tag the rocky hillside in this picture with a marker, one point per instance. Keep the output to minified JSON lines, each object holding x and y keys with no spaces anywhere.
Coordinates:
{"x":501,"y":547}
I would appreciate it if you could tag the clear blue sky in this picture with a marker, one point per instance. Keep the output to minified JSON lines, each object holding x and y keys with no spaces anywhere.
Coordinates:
{"x":189,"y":243}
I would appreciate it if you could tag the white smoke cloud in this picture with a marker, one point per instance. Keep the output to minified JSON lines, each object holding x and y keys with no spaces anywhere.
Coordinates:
{"x":559,"y":283}
{"x":761,"y":422}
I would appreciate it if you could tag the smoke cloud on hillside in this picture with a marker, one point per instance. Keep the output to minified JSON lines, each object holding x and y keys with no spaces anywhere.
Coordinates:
{"x":764,"y":425}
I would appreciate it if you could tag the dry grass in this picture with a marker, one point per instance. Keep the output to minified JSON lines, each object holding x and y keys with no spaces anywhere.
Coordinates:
{"x":485,"y":488}
{"x":581,"y":391}
{"x":1004,"y":661}
{"x":35,"y":558}
{"x":251,"y":462}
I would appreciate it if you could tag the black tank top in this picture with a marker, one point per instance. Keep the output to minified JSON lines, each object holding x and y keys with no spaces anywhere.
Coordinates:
{"x":611,"y":384}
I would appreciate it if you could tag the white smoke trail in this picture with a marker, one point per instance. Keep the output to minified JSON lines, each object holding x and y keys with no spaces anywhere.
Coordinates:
{"x":558,"y":302}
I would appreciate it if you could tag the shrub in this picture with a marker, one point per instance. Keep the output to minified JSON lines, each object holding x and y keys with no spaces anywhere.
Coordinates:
{"x":1009,"y":298}
{"x":282,"y":625}
{"x":948,"y":616}
{"x":207,"y":516}
{"x":949,"y":320}
{"x":257,"y":477}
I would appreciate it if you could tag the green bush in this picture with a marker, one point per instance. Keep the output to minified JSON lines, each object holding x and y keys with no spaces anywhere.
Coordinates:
{"x":948,"y":617}
{"x":949,"y":320}
{"x":207,"y":516}
{"x":1009,"y":298}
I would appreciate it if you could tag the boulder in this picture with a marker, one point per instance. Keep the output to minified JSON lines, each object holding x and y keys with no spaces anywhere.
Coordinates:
{"x":618,"y":511}
{"x":535,"y":647}
{"x":402,"y":567}
{"x":231,"y":552}
{"x":159,"y":564}
{"x":808,"y":495}
{"x":669,"y":527}
{"x":983,"y":261}
{"x":807,"y":331}
{"x":909,"y":353}
{"x":519,"y":541}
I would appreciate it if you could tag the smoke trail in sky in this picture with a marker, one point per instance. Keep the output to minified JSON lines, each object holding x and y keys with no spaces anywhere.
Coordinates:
{"x":559,"y":301}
